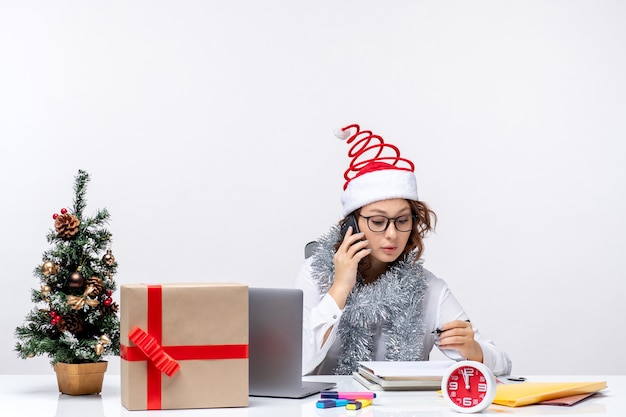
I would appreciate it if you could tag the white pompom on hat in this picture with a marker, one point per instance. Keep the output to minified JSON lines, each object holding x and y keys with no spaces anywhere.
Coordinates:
{"x":377,"y":171}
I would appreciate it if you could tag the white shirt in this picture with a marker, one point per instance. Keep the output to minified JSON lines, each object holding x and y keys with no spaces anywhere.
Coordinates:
{"x":321,"y":312}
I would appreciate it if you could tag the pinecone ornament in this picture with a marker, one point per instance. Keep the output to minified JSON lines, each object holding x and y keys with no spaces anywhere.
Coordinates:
{"x":66,"y":225}
{"x":96,"y":285}
{"x":106,"y":310}
{"x":71,"y":323}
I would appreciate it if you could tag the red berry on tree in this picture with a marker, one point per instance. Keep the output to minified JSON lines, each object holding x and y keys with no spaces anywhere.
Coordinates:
{"x":55,"y":215}
{"x":108,"y":301}
{"x":63,"y":210}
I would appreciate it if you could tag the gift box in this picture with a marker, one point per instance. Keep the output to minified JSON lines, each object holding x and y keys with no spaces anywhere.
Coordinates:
{"x":184,"y":346}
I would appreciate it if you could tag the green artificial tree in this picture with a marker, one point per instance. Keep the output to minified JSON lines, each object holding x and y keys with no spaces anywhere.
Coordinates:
{"x":75,"y":319}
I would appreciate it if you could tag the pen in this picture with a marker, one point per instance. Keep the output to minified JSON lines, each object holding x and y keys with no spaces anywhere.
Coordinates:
{"x":358,"y":404}
{"x":348,"y":395}
{"x":439,"y":331}
{"x":330,"y":403}
{"x":510,"y":379}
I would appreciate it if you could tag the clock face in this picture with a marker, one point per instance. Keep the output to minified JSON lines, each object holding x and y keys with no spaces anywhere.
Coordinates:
{"x":469,"y":386}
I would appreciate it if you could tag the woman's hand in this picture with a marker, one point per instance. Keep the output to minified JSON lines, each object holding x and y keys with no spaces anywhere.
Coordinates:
{"x":459,"y":335}
{"x":346,"y":259}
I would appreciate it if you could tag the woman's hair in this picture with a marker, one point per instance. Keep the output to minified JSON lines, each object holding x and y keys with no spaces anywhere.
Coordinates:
{"x":425,"y":221}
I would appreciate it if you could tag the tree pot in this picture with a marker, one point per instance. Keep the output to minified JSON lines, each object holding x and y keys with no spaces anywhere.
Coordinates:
{"x":80,"y":378}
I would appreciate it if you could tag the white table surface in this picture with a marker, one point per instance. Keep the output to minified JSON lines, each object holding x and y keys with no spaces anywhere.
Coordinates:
{"x":37,"y":395}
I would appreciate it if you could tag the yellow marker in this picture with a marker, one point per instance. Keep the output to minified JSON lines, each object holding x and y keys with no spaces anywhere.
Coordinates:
{"x":358,"y":404}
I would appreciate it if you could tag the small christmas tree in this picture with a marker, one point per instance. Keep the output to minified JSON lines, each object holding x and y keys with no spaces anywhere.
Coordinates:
{"x":75,"y":318}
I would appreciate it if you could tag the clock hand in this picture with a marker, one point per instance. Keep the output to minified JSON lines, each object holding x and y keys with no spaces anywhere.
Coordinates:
{"x":466,"y":378}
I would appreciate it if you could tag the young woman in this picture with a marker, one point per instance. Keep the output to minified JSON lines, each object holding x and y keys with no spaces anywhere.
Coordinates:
{"x":367,"y":295}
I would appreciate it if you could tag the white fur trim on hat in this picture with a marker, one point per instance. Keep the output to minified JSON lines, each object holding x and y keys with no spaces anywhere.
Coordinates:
{"x":376,"y":186}
{"x":342,"y":134}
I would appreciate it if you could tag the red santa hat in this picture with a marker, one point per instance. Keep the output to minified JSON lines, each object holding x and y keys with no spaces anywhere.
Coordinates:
{"x":376,"y":172}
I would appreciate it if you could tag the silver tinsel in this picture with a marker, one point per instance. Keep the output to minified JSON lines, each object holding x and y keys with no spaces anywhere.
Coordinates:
{"x":394,"y":301}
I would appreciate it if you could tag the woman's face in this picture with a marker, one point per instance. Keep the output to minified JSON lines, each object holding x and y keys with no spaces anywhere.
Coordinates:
{"x":387,"y":245}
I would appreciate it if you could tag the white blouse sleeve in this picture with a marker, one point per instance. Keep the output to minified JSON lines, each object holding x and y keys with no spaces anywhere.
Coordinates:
{"x":320,"y":313}
{"x":449,"y":309}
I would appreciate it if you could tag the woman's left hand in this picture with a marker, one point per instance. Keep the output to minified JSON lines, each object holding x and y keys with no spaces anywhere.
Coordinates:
{"x":459,"y":335}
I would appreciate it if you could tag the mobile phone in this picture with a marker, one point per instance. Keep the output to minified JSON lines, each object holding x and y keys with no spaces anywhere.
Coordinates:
{"x":350,"y":221}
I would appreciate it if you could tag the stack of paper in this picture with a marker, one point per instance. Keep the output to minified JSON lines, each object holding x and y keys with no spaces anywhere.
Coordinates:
{"x":517,"y":395}
{"x":402,"y":375}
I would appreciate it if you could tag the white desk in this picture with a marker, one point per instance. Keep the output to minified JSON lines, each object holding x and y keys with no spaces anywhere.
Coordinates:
{"x":37,"y":395}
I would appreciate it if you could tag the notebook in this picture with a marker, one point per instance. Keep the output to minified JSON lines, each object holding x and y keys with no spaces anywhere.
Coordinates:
{"x":275,"y":345}
{"x":403,"y":375}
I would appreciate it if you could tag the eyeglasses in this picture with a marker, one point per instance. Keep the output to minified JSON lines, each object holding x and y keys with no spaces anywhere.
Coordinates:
{"x":381,"y":223}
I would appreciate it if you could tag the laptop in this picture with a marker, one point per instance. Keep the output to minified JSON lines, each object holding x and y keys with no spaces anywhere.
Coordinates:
{"x":275,"y":345}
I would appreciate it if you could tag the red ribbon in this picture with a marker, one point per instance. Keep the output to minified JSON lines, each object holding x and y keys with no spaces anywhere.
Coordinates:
{"x":163,"y":359}
{"x":153,"y":350}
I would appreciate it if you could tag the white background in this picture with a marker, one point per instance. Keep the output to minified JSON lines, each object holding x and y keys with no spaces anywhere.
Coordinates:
{"x":206,"y":127}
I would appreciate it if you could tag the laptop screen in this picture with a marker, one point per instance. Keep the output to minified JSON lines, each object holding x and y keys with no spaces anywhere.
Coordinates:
{"x":275,"y":344}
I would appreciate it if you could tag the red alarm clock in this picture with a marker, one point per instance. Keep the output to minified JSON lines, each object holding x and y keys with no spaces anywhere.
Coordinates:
{"x":468,"y":386}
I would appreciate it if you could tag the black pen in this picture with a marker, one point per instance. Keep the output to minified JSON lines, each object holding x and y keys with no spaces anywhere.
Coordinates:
{"x":439,"y":331}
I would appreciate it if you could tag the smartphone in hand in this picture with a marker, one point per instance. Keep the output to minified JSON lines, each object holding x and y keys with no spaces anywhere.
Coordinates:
{"x":350,"y":221}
